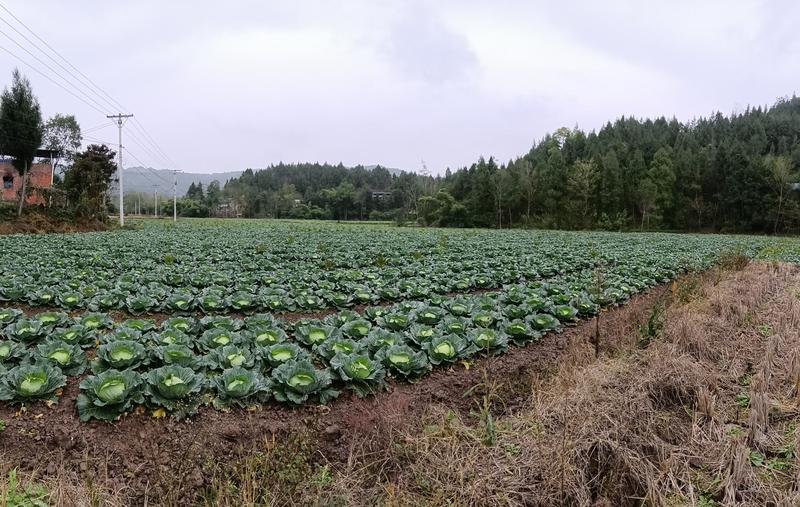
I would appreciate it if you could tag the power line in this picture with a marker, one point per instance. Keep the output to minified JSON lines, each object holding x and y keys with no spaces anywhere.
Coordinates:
{"x":137,"y":140}
{"x":87,"y":131}
{"x":96,"y":128}
{"x":154,"y":172}
{"x":54,"y":81}
{"x":96,"y":140}
{"x":45,"y":53}
{"x":62,"y":57}
{"x":138,"y":125}
{"x":51,"y":69}
{"x":86,"y":81}
{"x":133,"y":156}
{"x":147,"y":166}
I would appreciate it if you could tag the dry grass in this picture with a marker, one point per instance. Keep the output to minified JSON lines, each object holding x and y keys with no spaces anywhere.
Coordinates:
{"x":62,"y":488}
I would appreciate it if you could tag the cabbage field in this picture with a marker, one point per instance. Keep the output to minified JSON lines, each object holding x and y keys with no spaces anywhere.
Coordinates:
{"x":238,"y":314}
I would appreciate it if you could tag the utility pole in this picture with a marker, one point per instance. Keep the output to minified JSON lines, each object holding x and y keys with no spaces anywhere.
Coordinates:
{"x":155,"y":200}
{"x":175,"y":196}
{"x":121,"y":118}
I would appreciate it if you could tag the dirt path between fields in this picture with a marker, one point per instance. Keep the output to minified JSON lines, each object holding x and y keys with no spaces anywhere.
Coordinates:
{"x":135,"y":455}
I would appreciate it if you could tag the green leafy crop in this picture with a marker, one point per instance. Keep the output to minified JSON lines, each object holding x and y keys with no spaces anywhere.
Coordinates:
{"x":31,"y":382}
{"x":240,"y":387}
{"x":359,"y":372}
{"x":109,"y":394}
{"x":175,"y":388}
{"x":297,"y":382}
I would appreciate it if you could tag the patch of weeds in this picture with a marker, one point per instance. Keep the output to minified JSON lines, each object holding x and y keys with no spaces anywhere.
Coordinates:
{"x":733,"y":260}
{"x":735,"y":431}
{"x":744,"y":380}
{"x":688,"y":288}
{"x":3,"y":425}
{"x":272,"y":473}
{"x":779,"y":464}
{"x":764,"y":330}
{"x":512,"y":449}
{"x":381,"y":260}
{"x":787,"y":450}
{"x":489,"y":391}
{"x":773,"y":464}
{"x":431,"y":429}
{"x":706,"y":500}
{"x":743,"y":399}
{"x":757,"y":459}
{"x":322,"y":477}
{"x":747,"y":319}
{"x":652,"y":328}
{"x":790,"y":428}
{"x":705,"y":483}
{"x":31,"y":494}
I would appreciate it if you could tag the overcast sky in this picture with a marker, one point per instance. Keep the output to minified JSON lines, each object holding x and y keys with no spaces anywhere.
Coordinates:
{"x":228,"y":85}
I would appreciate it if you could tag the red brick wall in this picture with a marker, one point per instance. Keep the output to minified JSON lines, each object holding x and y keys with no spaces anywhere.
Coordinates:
{"x":39,"y":175}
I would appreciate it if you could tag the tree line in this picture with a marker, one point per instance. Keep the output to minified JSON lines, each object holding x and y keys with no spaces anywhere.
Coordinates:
{"x":313,"y":191}
{"x":734,"y":173}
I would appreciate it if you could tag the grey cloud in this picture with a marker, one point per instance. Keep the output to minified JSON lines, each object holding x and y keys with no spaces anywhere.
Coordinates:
{"x":424,"y":47}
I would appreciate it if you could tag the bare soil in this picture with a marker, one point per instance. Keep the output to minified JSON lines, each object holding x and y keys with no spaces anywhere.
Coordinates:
{"x":142,"y":459}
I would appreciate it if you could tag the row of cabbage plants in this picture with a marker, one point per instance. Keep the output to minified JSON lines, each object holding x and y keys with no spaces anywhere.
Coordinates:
{"x":185,"y":361}
{"x":287,"y":268}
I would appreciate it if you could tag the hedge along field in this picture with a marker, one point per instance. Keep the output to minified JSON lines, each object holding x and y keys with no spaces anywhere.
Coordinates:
{"x":200,"y":272}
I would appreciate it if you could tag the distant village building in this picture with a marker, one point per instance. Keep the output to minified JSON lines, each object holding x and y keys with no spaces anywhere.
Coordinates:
{"x":40,"y":179}
{"x":376,"y":194}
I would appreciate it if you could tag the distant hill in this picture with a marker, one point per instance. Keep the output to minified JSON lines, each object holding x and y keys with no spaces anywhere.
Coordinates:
{"x":142,"y":179}
{"x":393,"y":170}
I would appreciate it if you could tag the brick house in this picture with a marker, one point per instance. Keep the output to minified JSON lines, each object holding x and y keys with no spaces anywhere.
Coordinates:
{"x":40,"y":176}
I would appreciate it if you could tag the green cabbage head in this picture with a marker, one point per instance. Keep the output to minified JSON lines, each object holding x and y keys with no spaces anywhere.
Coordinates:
{"x":175,"y":388}
{"x":31,"y":382}
{"x":240,"y":387}
{"x":109,"y":395}
{"x":297,"y":382}
{"x":359,"y":372}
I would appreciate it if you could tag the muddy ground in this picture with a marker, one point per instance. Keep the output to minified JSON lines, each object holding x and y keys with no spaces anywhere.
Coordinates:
{"x":142,"y":459}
